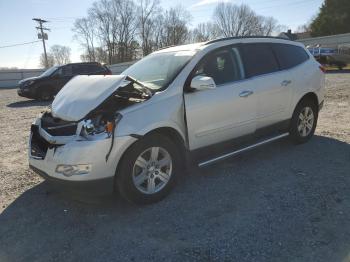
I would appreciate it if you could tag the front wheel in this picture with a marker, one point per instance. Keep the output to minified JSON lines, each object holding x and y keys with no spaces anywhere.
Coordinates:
{"x":303,"y":122}
{"x":148,"y":170}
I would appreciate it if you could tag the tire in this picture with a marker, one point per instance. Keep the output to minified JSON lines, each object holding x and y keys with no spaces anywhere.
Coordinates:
{"x":147,"y":180}
{"x":304,"y":121}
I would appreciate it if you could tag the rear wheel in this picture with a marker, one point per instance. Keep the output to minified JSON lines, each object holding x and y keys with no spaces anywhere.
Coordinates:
{"x":148,"y":170}
{"x":304,"y":121}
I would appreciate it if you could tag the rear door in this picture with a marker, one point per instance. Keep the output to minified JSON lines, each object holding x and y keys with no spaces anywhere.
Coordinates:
{"x":272,"y":86}
{"x":290,"y":59}
{"x":225,"y":112}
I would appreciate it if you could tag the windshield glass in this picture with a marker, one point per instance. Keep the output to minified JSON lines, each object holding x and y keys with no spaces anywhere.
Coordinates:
{"x":49,"y":71}
{"x":156,"y":71}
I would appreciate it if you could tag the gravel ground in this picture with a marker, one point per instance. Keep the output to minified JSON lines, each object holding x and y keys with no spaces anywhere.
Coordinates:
{"x":278,"y":203}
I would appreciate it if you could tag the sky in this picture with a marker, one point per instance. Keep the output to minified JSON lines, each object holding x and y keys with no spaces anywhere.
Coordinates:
{"x":16,"y":25}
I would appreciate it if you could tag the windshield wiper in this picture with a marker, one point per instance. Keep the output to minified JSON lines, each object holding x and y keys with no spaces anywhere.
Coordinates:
{"x":145,"y":89}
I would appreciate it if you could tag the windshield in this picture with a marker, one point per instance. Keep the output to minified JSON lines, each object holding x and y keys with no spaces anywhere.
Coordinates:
{"x":49,"y":71}
{"x":156,"y":71}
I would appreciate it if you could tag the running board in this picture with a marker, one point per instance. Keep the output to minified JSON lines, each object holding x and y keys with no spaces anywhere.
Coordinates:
{"x":233,"y":153}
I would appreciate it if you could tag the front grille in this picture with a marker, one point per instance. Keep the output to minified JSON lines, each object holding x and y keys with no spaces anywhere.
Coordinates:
{"x":39,"y":146}
{"x":58,"y":127}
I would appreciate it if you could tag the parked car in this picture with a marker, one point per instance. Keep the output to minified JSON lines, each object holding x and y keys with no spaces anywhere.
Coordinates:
{"x":49,"y":83}
{"x":329,"y":57}
{"x":136,"y":132}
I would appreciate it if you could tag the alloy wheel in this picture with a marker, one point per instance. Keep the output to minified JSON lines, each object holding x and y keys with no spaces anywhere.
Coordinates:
{"x":152,"y":170}
{"x":305,"y":121}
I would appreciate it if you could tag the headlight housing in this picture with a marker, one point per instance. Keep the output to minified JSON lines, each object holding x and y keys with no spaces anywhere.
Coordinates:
{"x":28,"y":83}
{"x":100,"y":124}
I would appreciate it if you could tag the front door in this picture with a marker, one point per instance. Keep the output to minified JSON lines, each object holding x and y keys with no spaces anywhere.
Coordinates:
{"x":225,"y":112}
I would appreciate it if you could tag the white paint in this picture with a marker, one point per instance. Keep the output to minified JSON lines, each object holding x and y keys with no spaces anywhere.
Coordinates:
{"x":83,"y":93}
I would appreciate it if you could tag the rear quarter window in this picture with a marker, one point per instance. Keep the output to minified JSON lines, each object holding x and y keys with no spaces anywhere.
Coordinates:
{"x":258,"y":59}
{"x":289,"y":56}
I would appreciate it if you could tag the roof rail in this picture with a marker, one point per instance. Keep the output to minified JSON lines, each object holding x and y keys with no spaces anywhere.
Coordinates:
{"x":245,"y":37}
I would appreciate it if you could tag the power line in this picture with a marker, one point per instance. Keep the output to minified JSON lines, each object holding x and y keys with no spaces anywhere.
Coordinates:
{"x":25,"y":43}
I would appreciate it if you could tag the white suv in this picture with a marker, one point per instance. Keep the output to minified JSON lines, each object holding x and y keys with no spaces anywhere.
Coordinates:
{"x":197,"y":103}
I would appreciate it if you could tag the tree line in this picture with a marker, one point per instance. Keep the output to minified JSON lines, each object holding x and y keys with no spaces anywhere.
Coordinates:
{"x":115,"y":31}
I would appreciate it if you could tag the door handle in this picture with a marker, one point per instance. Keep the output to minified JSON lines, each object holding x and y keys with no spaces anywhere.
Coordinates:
{"x":286,"y":82}
{"x":246,"y":93}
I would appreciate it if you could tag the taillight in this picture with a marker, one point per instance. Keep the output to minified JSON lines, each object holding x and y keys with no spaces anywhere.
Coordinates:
{"x":322,"y":68}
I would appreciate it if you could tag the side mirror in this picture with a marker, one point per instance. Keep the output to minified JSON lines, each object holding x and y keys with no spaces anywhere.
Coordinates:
{"x":203,"y":83}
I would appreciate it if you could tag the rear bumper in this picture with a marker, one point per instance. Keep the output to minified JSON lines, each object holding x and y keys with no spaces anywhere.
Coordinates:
{"x":103,"y":186}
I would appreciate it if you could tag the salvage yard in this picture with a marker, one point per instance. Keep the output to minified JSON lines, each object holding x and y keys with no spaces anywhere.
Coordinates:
{"x":280,"y":202}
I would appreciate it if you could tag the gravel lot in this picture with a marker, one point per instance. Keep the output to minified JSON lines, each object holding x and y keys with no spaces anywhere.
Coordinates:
{"x":278,"y":203}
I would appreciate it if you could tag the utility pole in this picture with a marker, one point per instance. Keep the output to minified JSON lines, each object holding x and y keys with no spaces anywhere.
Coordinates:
{"x":42,"y":35}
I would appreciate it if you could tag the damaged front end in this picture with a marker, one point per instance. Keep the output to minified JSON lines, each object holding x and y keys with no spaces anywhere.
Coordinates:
{"x":88,"y":111}
{"x":76,"y":136}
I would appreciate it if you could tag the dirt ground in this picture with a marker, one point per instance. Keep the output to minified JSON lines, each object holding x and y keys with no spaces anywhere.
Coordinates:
{"x":277,"y":203}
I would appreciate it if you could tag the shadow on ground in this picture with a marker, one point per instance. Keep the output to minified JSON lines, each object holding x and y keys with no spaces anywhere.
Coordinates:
{"x":28,"y":103}
{"x":278,"y":203}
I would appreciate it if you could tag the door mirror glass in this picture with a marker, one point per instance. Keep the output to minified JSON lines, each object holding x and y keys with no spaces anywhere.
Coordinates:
{"x":202,"y":83}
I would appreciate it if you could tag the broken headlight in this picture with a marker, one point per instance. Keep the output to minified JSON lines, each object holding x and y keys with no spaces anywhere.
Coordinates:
{"x":100,"y":124}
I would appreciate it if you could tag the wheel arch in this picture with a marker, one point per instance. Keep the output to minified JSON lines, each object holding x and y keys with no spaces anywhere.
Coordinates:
{"x":310,"y":96}
{"x":169,"y":132}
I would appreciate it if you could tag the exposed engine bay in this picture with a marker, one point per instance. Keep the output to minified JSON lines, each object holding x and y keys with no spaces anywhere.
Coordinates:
{"x":96,"y":120}
{"x":98,"y":123}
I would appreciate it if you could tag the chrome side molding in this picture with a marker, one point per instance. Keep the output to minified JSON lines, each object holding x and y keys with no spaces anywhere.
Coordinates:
{"x":236,"y":152}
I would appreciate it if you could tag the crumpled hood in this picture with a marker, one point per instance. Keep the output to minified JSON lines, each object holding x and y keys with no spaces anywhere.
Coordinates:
{"x":83,"y":94}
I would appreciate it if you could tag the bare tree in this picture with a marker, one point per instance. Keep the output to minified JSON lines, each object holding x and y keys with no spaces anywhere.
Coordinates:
{"x":125,"y":14}
{"x":105,"y":23}
{"x":85,"y":32}
{"x":61,"y":54}
{"x":50,"y":60}
{"x":159,"y":31}
{"x":115,"y":22}
{"x":241,"y":20}
{"x":147,"y":12}
{"x":175,"y":26}
{"x":100,"y":55}
{"x":204,"y":32}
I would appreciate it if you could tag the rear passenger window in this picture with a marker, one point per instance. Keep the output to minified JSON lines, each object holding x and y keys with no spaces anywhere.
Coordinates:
{"x":258,"y":59}
{"x":289,"y":56}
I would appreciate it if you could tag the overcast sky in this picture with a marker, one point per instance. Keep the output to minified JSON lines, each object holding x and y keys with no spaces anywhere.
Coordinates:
{"x":16,"y":25}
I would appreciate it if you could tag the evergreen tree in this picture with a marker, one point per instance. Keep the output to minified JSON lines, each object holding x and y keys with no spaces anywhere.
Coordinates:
{"x":334,"y":18}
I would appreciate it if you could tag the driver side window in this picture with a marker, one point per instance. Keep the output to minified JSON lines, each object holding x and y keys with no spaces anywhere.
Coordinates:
{"x":223,"y":66}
